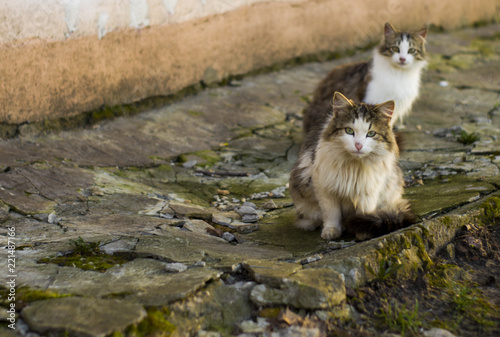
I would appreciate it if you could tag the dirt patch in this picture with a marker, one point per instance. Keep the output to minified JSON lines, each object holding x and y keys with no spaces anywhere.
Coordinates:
{"x":459,"y":291}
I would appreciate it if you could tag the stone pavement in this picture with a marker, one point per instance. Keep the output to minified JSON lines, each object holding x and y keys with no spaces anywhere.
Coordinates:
{"x":182,"y":212}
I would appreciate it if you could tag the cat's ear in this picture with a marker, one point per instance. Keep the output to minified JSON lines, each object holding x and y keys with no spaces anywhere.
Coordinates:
{"x":340,"y":102}
{"x":422,"y":32}
{"x":386,"y":108}
{"x":389,"y":30}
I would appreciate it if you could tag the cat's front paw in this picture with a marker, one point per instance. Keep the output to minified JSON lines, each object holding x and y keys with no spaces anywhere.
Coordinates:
{"x":330,"y":233}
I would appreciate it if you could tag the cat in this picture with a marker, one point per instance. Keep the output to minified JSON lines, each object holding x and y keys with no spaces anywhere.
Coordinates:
{"x":393,"y":73}
{"x":348,"y":175}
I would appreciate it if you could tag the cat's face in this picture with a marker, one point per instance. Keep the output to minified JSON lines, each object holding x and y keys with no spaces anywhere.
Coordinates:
{"x":361,"y":130}
{"x":404,"y":49}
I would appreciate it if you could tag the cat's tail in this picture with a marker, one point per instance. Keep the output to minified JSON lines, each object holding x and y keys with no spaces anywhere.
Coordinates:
{"x":367,"y":226}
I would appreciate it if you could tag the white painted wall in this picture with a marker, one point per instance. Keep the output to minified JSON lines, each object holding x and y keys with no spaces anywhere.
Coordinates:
{"x":63,"y":19}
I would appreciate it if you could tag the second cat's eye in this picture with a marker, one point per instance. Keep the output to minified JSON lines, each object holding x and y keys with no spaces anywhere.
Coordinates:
{"x":395,"y":49}
{"x":371,"y":134}
{"x":349,"y":131}
{"x":412,"y":51}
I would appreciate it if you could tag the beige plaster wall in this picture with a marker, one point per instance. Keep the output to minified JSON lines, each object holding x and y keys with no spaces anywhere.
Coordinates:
{"x":63,"y":57}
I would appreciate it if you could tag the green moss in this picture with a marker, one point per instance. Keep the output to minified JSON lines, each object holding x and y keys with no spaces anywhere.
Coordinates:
{"x":446,"y":220}
{"x":80,"y":247}
{"x":210,"y":157}
{"x":25,"y":295}
{"x":86,"y":256}
{"x":101,"y":262}
{"x":155,"y":324}
{"x":182,"y":158}
{"x":465,"y":300}
{"x":195,"y":113}
{"x":490,"y":211}
{"x":399,"y":318}
{"x":272,"y":313}
{"x":467,"y":138}
{"x":483,"y":47}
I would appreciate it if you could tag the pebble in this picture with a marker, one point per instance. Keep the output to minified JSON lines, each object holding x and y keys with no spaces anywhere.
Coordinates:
{"x":437,"y":332}
{"x":311,"y":259}
{"x":229,"y":237}
{"x":248,"y":214}
{"x":175,"y":267}
{"x":340,"y":244}
{"x":53,"y":219}
{"x":278,"y":192}
{"x":448,"y":132}
{"x":189,"y":164}
{"x":270,"y":205}
{"x":249,"y":204}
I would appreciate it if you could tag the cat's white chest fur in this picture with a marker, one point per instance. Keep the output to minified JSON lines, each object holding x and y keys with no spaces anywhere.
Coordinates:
{"x":390,"y":82}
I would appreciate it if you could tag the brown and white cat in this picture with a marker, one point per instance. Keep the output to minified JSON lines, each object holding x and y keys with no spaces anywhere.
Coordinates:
{"x":392,"y":74}
{"x":348,"y":175}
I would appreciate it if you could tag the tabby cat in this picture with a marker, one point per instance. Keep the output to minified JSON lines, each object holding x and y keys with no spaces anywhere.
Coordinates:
{"x":392,"y":74}
{"x":348,"y":175}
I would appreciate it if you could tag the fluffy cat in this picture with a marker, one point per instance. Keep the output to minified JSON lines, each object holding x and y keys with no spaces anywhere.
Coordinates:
{"x":392,"y":74}
{"x":347,"y":174}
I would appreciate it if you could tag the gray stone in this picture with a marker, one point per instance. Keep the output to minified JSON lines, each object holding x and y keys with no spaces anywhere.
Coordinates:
{"x":189,"y":164}
{"x":249,"y":204}
{"x":244,"y":228}
{"x":183,"y":210}
{"x":153,"y":288}
{"x":175,"y":267}
{"x":269,"y":205}
{"x":437,"y":332}
{"x":82,"y":316}
{"x":243,"y":210}
{"x":122,"y":245}
{"x":203,"y":333}
{"x":218,"y":305}
{"x":449,"y":132}
{"x":229,"y":237}
{"x":306,"y":289}
{"x":296,"y":331}
{"x":198,"y":226}
{"x":270,"y":272}
{"x":278,"y":192}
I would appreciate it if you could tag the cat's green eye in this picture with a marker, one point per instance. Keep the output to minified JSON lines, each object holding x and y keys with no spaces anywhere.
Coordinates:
{"x":371,"y":134}
{"x":395,"y":49}
{"x":412,"y":51}
{"x":349,"y":131}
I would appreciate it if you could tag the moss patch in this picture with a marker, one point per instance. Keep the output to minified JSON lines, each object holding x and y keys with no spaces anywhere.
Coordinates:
{"x":155,"y":324}
{"x":86,"y":256}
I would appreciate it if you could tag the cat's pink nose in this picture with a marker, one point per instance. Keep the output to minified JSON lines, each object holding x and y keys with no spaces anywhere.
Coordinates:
{"x":402,"y":59}
{"x":359,"y":146}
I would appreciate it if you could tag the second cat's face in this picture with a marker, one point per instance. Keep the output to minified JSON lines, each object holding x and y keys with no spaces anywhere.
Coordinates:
{"x":404,"y":49}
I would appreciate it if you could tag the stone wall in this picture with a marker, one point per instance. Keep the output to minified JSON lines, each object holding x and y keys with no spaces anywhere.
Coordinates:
{"x":61,"y":58}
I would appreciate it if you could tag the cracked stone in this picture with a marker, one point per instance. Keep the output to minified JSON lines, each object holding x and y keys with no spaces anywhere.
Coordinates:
{"x":229,"y":237}
{"x":244,"y":228}
{"x":183,"y":210}
{"x":122,"y":245}
{"x":198,"y":226}
{"x":306,"y":289}
{"x":175,"y":267}
{"x":270,"y":272}
{"x":221,"y":219}
{"x":82,"y":316}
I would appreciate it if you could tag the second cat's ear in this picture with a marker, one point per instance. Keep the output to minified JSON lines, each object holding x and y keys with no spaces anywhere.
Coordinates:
{"x":422,"y":32}
{"x":388,"y":29}
{"x":386,"y":108}
{"x":340,"y":102}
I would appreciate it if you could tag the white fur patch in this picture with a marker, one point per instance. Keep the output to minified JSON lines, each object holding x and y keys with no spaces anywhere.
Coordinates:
{"x":392,"y":82}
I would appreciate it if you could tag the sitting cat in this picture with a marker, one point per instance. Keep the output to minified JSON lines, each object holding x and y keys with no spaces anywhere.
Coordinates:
{"x":348,"y":175}
{"x":392,"y":74}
